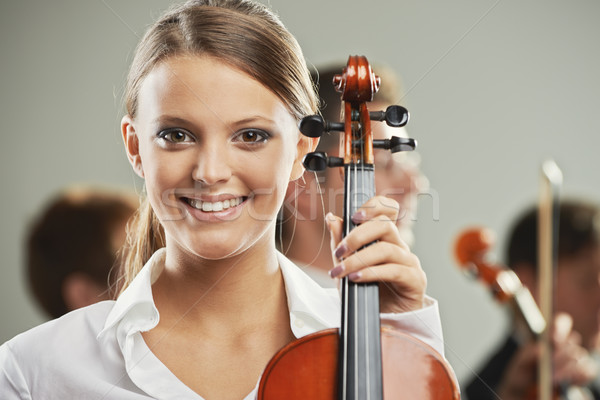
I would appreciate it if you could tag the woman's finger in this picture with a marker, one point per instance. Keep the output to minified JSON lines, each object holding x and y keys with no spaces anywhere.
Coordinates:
{"x":378,"y":229}
{"x":377,"y":206}
{"x":372,"y":256}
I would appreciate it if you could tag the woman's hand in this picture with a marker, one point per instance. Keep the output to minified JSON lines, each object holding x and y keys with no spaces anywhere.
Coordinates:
{"x":387,"y":260}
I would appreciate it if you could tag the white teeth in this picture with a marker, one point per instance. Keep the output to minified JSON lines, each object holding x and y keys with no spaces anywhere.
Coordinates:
{"x":216,"y":206}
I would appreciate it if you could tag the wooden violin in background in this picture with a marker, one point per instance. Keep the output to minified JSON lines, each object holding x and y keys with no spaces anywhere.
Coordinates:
{"x":362,"y":360}
{"x":471,"y":253}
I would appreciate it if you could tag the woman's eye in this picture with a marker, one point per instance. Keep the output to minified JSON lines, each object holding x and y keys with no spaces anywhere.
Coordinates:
{"x":253,"y":136}
{"x":175,"y":136}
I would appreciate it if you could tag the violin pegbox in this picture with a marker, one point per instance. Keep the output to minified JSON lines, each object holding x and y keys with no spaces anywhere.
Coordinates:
{"x":357,"y":84}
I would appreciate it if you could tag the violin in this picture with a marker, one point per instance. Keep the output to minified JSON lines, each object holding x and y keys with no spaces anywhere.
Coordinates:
{"x":362,"y":359}
{"x":471,"y":250}
{"x":471,"y":253}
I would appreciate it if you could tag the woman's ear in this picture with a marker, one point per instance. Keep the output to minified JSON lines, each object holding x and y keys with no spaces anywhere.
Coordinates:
{"x":132,"y":145}
{"x":305,"y":145}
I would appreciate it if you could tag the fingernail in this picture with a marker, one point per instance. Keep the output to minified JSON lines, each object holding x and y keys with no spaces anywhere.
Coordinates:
{"x":359,"y":216}
{"x":328,"y":219}
{"x":337,"y":271}
{"x":355,"y":276}
{"x":341,"y":250}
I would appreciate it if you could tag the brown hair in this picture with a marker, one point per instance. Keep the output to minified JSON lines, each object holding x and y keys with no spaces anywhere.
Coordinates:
{"x":76,"y":232}
{"x":241,"y":33}
{"x":578,"y":230}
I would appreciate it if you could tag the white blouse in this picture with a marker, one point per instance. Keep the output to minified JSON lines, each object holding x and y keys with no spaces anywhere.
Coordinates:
{"x":98,"y":352}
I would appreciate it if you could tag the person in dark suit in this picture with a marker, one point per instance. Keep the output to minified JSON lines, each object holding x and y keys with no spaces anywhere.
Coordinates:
{"x":511,"y":371}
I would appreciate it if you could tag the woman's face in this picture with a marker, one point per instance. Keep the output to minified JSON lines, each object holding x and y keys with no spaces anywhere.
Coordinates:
{"x":217,"y":150}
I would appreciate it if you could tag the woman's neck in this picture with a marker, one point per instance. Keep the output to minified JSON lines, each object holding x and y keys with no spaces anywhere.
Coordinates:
{"x":220,"y":321}
{"x":233,"y":290}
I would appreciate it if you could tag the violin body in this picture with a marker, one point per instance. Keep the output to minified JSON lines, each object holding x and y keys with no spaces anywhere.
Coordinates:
{"x":308,"y":369}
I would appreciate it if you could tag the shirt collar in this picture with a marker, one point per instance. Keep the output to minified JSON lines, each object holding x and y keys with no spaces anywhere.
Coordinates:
{"x":311,"y":307}
{"x":136,"y":304}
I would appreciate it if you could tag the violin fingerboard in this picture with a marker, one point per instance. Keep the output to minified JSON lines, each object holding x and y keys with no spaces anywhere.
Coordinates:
{"x":360,"y":339}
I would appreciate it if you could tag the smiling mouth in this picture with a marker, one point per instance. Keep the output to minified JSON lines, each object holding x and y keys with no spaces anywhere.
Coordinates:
{"x":208,"y":206}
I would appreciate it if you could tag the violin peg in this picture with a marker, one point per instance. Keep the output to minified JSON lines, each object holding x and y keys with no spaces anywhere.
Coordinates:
{"x":335,"y":162}
{"x":318,"y":161}
{"x":315,"y":161}
{"x":315,"y":126}
{"x":312,"y":126}
{"x":396,"y":116}
{"x":402,"y":144}
{"x":396,"y":144}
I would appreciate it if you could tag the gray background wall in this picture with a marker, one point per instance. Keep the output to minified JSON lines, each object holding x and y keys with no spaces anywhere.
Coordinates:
{"x":494,"y":87}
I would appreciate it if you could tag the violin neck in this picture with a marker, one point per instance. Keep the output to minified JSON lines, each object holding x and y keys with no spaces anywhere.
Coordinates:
{"x":530,"y":312}
{"x":360,"y":336}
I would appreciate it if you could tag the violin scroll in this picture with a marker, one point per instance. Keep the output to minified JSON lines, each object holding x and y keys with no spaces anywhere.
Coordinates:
{"x":472,"y":245}
{"x":471,"y":252}
{"x":358,"y":84}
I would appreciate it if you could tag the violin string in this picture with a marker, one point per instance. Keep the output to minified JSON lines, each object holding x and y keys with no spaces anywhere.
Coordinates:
{"x":366,"y":187}
{"x":345,"y":348}
{"x":354,"y":286}
{"x":361,"y":191}
{"x":345,"y":289}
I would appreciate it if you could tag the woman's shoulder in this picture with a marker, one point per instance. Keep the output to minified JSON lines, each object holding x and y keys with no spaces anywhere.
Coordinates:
{"x":65,"y":358}
{"x":74,"y":329}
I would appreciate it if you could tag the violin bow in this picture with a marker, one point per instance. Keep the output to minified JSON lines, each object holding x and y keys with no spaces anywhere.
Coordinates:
{"x":548,"y":220}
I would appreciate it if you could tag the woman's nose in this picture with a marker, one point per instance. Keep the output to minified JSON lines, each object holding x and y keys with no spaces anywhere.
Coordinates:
{"x":212,"y":165}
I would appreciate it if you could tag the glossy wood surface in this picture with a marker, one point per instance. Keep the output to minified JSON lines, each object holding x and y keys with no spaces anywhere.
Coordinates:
{"x":307,"y":369}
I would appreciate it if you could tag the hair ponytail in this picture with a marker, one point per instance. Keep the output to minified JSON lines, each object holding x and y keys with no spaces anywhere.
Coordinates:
{"x":145,"y":235}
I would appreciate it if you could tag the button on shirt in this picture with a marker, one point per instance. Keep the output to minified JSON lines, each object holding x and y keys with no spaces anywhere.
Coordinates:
{"x":98,"y":352}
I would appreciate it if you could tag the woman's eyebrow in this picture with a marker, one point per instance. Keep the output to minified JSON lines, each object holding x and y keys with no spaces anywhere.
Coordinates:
{"x":178,"y":120}
{"x":170,"y":120}
{"x":253,"y":118}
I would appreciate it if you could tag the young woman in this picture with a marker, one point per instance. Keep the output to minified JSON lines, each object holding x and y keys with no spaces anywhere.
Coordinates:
{"x":214,"y":96}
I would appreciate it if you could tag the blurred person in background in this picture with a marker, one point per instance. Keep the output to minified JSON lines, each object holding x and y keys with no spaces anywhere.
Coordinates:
{"x":510,"y":372}
{"x":73,"y":244}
